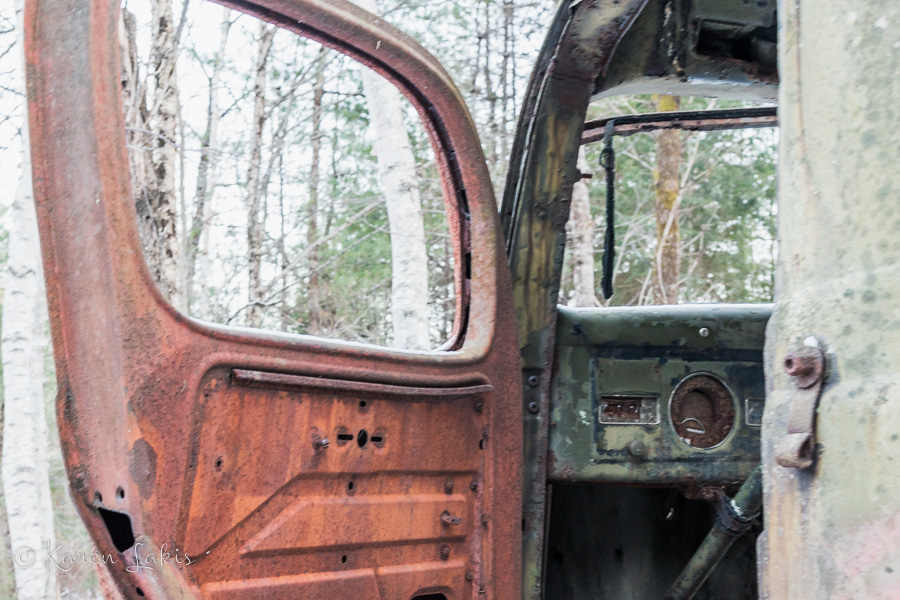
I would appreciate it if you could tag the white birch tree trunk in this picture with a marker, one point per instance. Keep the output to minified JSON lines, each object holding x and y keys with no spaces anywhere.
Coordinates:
{"x":25,"y":461}
{"x":163,"y":124}
{"x":152,"y":132}
{"x":582,"y":246}
{"x":397,"y":170}
{"x":255,"y":196}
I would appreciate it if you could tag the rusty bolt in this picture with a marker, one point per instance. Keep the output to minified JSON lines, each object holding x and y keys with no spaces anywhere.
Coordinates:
{"x":533,"y":381}
{"x":805,"y":366}
{"x":448,"y":486}
{"x":478,"y":406}
{"x":448,"y":519}
{"x":710,"y":493}
{"x":445,"y":552}
{"x":473,"y":486}
{"x":798,"y":366}
{"x":637,"y":449}
{"x":485,"y":519}
{"x":470,"y":576}
{"x":533,"y":407}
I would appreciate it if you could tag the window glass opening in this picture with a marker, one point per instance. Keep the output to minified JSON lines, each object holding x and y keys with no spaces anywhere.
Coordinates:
{"x":281,"y":185}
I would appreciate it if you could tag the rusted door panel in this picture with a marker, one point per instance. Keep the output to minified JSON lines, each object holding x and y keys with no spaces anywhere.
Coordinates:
{"x":266,"y":483}
{"x":211,"y":440}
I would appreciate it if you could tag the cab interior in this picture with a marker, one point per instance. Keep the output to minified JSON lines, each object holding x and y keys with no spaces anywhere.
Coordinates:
{"x":652,"y":413}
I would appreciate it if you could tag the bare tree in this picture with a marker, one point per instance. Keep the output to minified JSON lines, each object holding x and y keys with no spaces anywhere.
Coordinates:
{"x":314,"y":300}
{"x":281,"y":113}
{"x":25,"y":461}
{"x":667,"y":182}
{"x":507,"y":87}
{"x":161,"y":208}
{"x":255,"y":195}
{"x":137,"y":133}
{"x":397,"y":170}
{"x":153,"y":132}
{"x":206,"y":173}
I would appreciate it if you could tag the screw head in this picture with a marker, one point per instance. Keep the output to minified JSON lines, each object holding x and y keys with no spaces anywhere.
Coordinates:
{"x":445,"y":552}
{"x":533,"y":407}
{"x":479,"y":406}
{"x":448,"y":486}
{"x":704,"y":332}
{"x":321,"y":443}
{"x":637,"y":449}
{"x":473,"y":486}
{"x":470,"y":576}
{"x":533,"y":381}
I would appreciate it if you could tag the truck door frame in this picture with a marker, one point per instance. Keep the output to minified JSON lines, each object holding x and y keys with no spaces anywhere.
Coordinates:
{"x":134,"y":374}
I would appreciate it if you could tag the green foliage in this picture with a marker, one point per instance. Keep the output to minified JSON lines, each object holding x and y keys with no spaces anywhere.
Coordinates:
{"x":727,"y":210}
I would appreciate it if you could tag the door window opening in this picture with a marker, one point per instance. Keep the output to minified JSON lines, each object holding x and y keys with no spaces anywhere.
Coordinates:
{"x":282,"y":185}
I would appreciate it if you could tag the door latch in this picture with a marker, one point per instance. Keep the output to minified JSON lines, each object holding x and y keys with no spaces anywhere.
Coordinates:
{"x":806,"y":367}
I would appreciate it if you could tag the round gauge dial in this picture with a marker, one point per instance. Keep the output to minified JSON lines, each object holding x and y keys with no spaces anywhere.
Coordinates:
{"x":702,"y":410}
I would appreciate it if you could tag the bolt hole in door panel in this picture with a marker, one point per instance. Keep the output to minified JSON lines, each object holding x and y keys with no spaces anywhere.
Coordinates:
{"x":228,"y":463}
{"x":655,"y":412}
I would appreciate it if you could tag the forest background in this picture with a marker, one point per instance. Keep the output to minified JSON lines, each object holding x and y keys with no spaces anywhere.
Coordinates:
{"x":280,"y":185}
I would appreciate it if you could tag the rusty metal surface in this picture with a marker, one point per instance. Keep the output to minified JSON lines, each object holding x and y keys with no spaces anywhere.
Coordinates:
{"x":581,"y":43}
{"x":702,"y":410}
{"x":708,"y":120}
{"x":806,"y":367}
{"x":209,"y":438}
{"x":673,"y":48}
{"x":734,"y":517}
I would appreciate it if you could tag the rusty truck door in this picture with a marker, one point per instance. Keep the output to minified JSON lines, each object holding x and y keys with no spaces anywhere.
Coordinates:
{"x":204,"y":459}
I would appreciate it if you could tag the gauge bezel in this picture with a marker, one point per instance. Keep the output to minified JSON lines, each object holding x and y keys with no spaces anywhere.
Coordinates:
{"x":736,"y":418}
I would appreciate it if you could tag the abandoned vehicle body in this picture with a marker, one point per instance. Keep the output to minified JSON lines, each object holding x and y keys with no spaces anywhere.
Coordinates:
{"x":544,"y":451}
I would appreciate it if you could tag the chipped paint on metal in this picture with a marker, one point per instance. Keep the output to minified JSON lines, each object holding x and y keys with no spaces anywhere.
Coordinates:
{"x":832,"y":529}
{"x":202,"y":438}
{"x":580,"y":44}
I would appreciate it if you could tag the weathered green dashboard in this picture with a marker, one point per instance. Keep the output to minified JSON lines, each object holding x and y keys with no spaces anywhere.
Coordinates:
{"x":669,"y":395}
{"x":655,"y":417}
